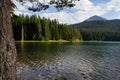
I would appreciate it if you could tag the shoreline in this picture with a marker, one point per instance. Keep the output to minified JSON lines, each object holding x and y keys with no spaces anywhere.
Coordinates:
{"x":66,"y":41}
{"x":49,"y":41}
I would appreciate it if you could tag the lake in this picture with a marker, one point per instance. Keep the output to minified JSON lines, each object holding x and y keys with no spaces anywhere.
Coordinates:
{"x":68,"y":61}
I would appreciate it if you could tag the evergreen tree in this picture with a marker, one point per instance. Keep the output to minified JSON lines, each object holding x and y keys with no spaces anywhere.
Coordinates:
{"x":36,"y":28}
{"x":46,"y":30}
{"x":39,"y":29}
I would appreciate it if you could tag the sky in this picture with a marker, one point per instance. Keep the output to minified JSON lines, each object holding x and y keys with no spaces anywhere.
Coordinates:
{"x":109,"y":9}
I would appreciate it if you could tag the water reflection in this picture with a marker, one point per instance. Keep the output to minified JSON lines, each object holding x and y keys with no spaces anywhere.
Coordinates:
{"x":68,"y":61}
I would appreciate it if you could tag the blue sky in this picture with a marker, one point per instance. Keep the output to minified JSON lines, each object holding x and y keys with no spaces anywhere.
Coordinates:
{"x":99,"y":1}
{"x":84,"y":9}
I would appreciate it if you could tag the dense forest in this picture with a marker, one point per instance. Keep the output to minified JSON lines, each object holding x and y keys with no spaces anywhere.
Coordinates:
{"x":42,"y":29}
{"x":108,"y":30}
{"x":100,"y":35}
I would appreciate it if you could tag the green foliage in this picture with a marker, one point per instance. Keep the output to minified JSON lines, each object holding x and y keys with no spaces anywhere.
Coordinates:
{"x":45,"y":29}
{"x":108,"y":30}
{"x":13,"y":6}
{"x":58,"y":4}
{"x":37,"y":28}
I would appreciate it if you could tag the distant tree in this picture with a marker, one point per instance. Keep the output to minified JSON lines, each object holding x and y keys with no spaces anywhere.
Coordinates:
{"x":46,"y":30}
{"x":16,"y":27}
{"x":39,"y":29}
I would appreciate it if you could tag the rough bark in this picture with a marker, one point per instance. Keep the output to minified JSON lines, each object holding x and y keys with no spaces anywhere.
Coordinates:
{"x":7,"y":44}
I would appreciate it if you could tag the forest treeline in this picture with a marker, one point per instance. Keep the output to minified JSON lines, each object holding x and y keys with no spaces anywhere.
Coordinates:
{"x":108,"y":30}
{"x":100,"y":35}
{"x":42,"y":29}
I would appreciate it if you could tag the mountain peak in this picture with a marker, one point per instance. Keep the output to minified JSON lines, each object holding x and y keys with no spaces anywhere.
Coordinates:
{"x":95,"y":18}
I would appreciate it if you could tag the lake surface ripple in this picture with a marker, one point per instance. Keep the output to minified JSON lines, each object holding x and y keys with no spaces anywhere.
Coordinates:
{"x":68,"y":61}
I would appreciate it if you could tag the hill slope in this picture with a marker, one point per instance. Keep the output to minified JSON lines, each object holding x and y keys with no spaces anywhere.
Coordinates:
{"x":103,"y":30}
{"x":104,"y":25}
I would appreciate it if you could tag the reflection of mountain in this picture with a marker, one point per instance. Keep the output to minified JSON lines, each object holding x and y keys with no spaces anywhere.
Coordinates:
{"x":97,"y":28}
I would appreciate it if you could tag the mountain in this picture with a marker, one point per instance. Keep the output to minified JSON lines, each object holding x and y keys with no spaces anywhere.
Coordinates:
{"x":113,"y":25}
{"x":100,"y":30}
{"x":95,"y":18}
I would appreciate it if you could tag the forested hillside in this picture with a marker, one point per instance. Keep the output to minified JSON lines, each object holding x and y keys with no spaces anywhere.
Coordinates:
{"x":106,"y":30}
{"x":105,"y":25}
{"x":42,"y":29}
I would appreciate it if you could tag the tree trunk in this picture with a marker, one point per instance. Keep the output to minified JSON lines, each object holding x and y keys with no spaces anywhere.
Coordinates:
{"x":7,"y":43}
{"x":22,"y":31}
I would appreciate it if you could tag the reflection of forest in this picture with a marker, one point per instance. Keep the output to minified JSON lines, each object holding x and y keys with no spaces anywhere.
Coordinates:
{"x":39,"y":53}
{"x":71,"y":61}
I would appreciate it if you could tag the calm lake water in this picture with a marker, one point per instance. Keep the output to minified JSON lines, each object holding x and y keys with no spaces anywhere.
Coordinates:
{"x":68,"y":61}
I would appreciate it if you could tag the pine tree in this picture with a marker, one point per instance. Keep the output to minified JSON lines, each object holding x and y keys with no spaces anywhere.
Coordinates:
{"x":46,"y":29}
{"x":39,"y":29}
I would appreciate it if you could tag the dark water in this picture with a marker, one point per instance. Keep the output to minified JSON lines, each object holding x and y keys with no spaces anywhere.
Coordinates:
{"x":68,"y":61}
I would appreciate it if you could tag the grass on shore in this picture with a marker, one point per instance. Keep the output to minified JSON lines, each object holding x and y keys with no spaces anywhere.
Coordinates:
{"x":77,"y":40}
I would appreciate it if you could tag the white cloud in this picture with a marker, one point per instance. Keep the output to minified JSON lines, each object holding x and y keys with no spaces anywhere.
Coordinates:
{"x":83,"y":10}
{"x":112,"y":5}
{"x":84,"y":5}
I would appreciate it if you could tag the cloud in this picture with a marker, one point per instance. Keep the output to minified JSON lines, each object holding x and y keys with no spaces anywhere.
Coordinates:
{"x":112,"y":5}
{"x":112,"y":8}
{"x":83,"y":10}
